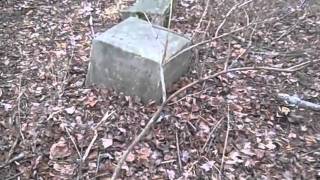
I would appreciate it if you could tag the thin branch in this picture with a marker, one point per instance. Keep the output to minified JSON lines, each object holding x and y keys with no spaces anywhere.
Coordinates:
{"x":90,"y":146}
{"x":14,"y":176}
{"x":272,"y":20}
{"x":229,"y":13}
{"x":170,"y":14}
{"x":207,"y":41}
{"x":18,"y":120}
{"x":228,"y":58}
{"x":73,"y":142}
{"x":136,"y":140}
{"x":178,"y":151}
{"x":211,"y":133}
{"x":299,"y":102}
{"x":163,"y":60}
{"x":12,"y":149}
{"x":16,"y":158}
{"x":105,"y":117}
{"x":202,"y":17}
{"x":298,"y":66}
{"x":225,"y":143}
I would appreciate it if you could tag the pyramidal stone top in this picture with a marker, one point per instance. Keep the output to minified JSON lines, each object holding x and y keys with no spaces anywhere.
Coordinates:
{"x":151,"y":6}
{"x":142,"y":38}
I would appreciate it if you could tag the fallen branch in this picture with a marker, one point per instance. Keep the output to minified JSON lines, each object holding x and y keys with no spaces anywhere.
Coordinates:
{"x":16,"y":158}
{"x":95,"y":129}
{"x":14,"y":176}
{"x":201,"y":19}
{"x":73,"y":142}
{"x":160,"y":108}
{"x":228,"y":14}
{"x":225,"y":144}
{"x":211,"y":133}
{"x":178,"y":151}
{"x":11,"y":151}
{"x":299,"y":102}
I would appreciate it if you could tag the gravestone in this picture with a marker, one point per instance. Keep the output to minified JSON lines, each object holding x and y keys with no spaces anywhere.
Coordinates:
{"x":156,"y":10}
{"x":127,"y":58}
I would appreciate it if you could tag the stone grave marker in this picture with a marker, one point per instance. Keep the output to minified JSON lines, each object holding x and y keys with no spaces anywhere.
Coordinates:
{"x":127,"y":58}
{"x":156,"y":10}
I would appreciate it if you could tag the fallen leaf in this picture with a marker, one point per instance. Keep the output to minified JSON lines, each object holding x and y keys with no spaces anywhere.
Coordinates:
{"x":66,"y":169}
{"x":185,"y":156}
{"x":7,"y":107}
{"x":259,"y":153}
{"x":70,"y":110}
{"x":234,"y":158}
{"x":144,"y":153}
{"x":261,"y":146}
{"x":207,"y":166}
{"x":204,"y":127}
{"x":270,"y":145}
{"x":131,"y":157}
{"x":171,"y":174}
{"x":60,"y":149}
{"x":249,"y":163}
{"x":106,"y":142}
{"x":91,"y":101}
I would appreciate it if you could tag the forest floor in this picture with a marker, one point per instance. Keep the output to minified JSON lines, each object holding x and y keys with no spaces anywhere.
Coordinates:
{"x":229,"y":127}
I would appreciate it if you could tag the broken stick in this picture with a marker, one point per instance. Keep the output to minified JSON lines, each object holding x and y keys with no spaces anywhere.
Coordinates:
{"x":298,"y":102}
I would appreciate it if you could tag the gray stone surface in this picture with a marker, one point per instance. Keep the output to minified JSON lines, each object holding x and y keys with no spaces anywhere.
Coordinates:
{"x":157,"y":11}
{"x":127,"y":58}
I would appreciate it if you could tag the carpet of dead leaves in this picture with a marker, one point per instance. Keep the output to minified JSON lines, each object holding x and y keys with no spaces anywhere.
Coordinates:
{"x":48,"y":117}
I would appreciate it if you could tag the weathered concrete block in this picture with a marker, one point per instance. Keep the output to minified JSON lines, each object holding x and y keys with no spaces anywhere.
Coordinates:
{"x":156,"y":10}
{"x":127,"y":58}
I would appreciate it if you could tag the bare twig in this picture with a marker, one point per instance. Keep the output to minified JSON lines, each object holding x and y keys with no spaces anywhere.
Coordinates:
{"x":290,"y":30}
{"x":160,"y":108}
{"x":302,"y":65}
{"x":299,"y":102}
{"x":211,"y":133}
{"x":12,"y":149}
{"x":228,"y":14}
{"x":136,"y":140}
{"x":163,"y":60}
{"x":91,"y":25}
{"x":16,"y":158}
{"x":225,"y":143}
{"x":105,"y":117}
{"x":73,"y":142}
{"x":247,"y":16}
{"x":18,"y":121}
{"x":90,"y":146}
{"x":226,"y":64}
{"x":53,"y":114}
{"x":202,"y":17}
{"x":208,"y":41}
{"x":178,"y":151}
{"x":270,"y":20}
{"x":170,"y":14}
{"x":14,"y":176}
{"x":98,"y":163}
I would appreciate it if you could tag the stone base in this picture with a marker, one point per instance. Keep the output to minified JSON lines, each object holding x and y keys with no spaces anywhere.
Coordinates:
{"x":127,"y":58}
